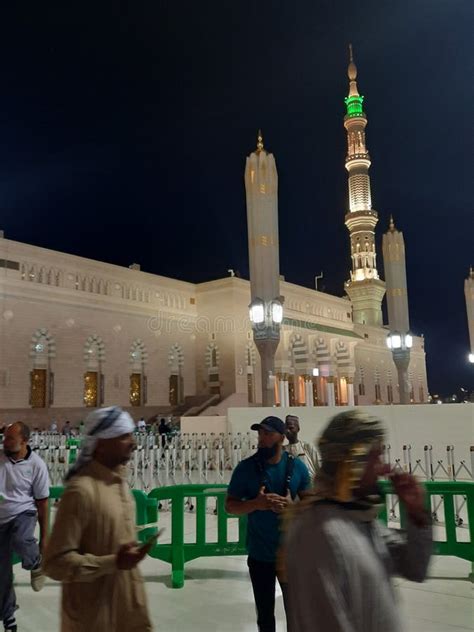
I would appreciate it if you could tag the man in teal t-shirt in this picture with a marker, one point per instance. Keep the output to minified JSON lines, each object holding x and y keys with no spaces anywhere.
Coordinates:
{"x":261,"y":486}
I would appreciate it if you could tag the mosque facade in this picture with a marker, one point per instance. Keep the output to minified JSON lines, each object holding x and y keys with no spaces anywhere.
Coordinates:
{"x":76,"y":333}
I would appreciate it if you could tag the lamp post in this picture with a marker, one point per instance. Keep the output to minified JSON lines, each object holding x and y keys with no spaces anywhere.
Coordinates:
{"x":266,"y":304}
{"x":266,"y":318}
{"x":400,"y":344}
{"x":399,"y":340}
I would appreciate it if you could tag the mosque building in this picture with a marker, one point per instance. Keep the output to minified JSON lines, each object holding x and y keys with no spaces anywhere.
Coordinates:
{"x":76,"y":333}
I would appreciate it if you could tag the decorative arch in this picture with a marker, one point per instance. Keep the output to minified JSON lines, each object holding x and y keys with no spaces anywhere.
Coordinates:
{"x":176,"y":379}
{"x":94,"y":381}
{"x":298,"y":359}
{"x":42,"y":352}
{"x":212,"y":358}
{"x":298,"y":352}
{"x":212,"y":355}
{"x":321,"y":352}
{"x":343,"y":363}
{"x":138,"y":355}
{"x":138,"y":358}
{"x":342,"y":356}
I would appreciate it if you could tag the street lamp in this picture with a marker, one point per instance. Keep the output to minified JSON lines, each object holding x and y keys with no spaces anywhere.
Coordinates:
{"x":471,"y":358}
{"x":266,"y":318}
{"x":400,"y":345}
{"x":396,"y":340}
{"x":399,"y":340}
{"x":265,"y":309}
{"x":257,"y":312}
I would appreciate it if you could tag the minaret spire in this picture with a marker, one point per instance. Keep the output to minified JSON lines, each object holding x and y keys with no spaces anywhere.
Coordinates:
{"x":365,"y":289}
{"x":259,"y":141}
{"x":352,"y":74}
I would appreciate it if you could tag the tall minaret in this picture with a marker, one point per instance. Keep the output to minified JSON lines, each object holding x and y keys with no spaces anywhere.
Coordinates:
{"x":266,"y":310}
{"x":399,"y":339}
{"x":469,"y":294}
{"x":365,"y":289}
{"x":393,"y":250}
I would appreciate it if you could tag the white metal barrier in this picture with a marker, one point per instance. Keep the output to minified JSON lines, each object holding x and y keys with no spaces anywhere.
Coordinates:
{"x":181,"y":458}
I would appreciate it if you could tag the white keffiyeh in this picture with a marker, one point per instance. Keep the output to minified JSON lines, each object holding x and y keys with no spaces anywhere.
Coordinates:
{"x":104,"y":423}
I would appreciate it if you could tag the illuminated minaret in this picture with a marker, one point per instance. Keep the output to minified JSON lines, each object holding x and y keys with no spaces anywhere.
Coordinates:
{"x":365,"y":289}
{"x":469,"y":294}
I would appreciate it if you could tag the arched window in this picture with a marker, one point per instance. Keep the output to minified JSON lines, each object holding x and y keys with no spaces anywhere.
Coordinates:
{"x":176,"y":382}
{"x":343,"y":362}
{"x":378,"y":390}
{"x":138,"y":379}
{"x":94,"y":381}
{"x":212,"y":364}
{"x":361,"y":375}
{"x":389,"y":387}
{"x":42,"y":352}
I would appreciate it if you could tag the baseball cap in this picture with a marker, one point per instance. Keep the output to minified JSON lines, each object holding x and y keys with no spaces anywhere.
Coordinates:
{"x":272,"y":424}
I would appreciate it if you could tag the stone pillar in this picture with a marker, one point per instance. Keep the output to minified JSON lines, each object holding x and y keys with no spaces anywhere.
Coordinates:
{"x":283,"y":390}
{"x":330,"y":393}
{"x":314,"y":386}
{"x":308,"y":383}
{"x":401,"y":357}
{"x":267,"y":349}
{"x":350,"y":391}
{"x":284,"y":395}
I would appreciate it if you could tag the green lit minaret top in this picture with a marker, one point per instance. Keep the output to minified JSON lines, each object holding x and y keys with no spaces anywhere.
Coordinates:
{"x":354,"y":100}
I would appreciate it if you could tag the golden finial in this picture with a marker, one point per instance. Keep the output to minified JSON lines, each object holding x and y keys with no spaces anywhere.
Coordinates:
{"x":391,"y":225}
{"x":351,"y":57}
{"x":259,"y":141}
{"x":471,"y":272}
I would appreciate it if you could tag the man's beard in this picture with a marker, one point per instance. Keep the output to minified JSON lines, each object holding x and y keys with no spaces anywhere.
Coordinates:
{"x":10,"y":453}
{"x":265,"y":454}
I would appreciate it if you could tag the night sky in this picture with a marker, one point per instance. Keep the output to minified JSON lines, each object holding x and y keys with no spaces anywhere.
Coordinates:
{"x":124,"y":128}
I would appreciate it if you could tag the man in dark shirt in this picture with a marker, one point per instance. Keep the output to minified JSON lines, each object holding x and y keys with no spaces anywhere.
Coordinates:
{"x":261,"y":487}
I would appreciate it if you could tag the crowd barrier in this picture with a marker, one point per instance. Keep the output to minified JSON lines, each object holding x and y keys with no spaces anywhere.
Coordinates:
{"x":203,"y":458}
{"x":178,"y":552}
{"x":456,"y":542}
{"x":449,"y":491}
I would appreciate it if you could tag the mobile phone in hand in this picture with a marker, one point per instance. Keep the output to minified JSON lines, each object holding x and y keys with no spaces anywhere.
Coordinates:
{"x":152,"y":539}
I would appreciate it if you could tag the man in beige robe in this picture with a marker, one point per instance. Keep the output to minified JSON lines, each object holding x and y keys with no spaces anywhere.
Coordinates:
{"x":297,"y":448}
{"x":92,"y":549}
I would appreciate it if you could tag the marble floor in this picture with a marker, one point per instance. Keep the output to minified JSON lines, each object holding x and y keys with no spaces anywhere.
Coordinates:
{"x":217,"y":596}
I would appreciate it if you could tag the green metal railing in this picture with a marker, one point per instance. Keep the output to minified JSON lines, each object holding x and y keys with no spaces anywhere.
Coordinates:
{"x":178,"y":552}
{"x":448,"y":490}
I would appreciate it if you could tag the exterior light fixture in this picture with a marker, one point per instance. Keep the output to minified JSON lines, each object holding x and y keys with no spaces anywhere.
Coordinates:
{"x":276,"y":312}
{"x":257,"y":312}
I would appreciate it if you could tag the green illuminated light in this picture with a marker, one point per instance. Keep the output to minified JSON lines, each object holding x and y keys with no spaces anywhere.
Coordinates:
{"x":354,"y":105}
